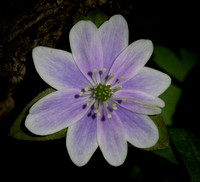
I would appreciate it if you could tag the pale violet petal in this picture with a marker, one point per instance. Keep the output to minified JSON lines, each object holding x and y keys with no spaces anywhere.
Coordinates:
{"x":114,"y":38}
{"x":86,"y":47}
{"x":139,"y":102}
{"x":150,"y":81}
{"x":111,"y":139}
{"x":57,"y":68}
{"x":131,"y":60}
{"x":56,"y":111}
{"x":82,"y":140}
{"x":140,"y":130}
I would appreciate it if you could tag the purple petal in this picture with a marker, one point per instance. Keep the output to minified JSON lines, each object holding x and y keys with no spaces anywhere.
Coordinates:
{"x":57,"y":68}
{"x":114,"y":39}
{"x":111,"y":139}
{"x":56,"y":111}
{"x":131,"y":60}
{"x":140,"y":129}
{"x":139,"y":102}
{"x":82,"y":140}
{"x":86,"y":47}
{"x":150,"y":81}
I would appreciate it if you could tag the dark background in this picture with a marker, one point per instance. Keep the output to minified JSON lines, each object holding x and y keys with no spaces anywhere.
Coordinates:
{"x":170,"y":23}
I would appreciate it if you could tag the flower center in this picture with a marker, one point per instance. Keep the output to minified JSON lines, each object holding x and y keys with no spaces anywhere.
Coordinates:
{"x":102,"y":92}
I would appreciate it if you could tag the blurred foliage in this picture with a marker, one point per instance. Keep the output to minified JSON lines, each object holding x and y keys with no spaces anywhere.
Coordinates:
{"x":163,"y":141}
{"x":176,"y":66}
{"x":185,"y":145}
{"x":167,"y":154}
{"x":188,"y":149}
{"x":95,"y":15}
{"x":171,"y":97}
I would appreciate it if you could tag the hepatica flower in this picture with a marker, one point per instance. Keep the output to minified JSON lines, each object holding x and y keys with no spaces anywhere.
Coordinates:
{"x":104,"y":92}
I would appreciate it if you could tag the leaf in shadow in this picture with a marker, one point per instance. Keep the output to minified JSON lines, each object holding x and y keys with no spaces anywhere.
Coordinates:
{"x":176,"y":66}
{"x":187,"y":146}
{"x":163,"y":141}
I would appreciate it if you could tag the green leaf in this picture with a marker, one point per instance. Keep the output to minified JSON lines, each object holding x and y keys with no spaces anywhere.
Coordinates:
{"x":176,"y":66}
{"x":95,"y":15}
{"x":17,"y":132}
{"x":163,"y":142}
{"x":171,"y":97}
{"x":167,"y":154}
{"x":188,"y":148}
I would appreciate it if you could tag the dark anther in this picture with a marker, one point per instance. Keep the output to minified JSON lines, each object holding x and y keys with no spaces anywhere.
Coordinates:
{"x":119,"y":101}
{"x":84,"y":106}
{"x":92,"y":107}
{"x":82,"y":90}
{"x":90,"y":73}
{"x":76,"y":96}
{"x":116,"y":80}
{"x":110,"y":109}
{"x":103,"y":118}
{"x":94,"y":116}
{"x":100,"y":72}
{"x":89,"y":114}
{"x":106,"y":77}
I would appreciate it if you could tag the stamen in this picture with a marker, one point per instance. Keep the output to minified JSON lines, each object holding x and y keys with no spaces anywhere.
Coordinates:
{"x":84,"y":92}
{"x":94,"y":71}
{"x":86,"y":89}
{"x":91,"y":101}
{"x":103,"y":70}
{"x":119,"y":87}
{"x":76,"y":96}
{"x":95,"y":76}
{"x":81,"y":94}
{"x":89,"y":114}
{"x":118,"y":81}
{"x":96,"y":111}
{"x":115,"y":89}
{"x":119,"y":101}
{"x":109,"y":77}
{"x":84,"y":106}
{"x":121,"y":78}
{"x":111,"y":106}
{"x":96,"y":104}
{"x":93,"y":116}
{"x":106,"y":106}
{"x":109,"y":115}
{"x":103,"y":118}
{"x":90,"y":74}
{"x":110,"y":109}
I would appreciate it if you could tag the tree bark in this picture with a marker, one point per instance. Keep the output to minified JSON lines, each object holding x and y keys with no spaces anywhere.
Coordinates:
{"x":42,"y":24}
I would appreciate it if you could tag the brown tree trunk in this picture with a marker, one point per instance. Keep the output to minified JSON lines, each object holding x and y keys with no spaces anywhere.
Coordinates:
{"x":42,"y":24}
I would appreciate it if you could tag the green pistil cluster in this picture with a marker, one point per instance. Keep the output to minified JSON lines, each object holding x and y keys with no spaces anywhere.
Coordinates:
{"x":102,"y":92}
